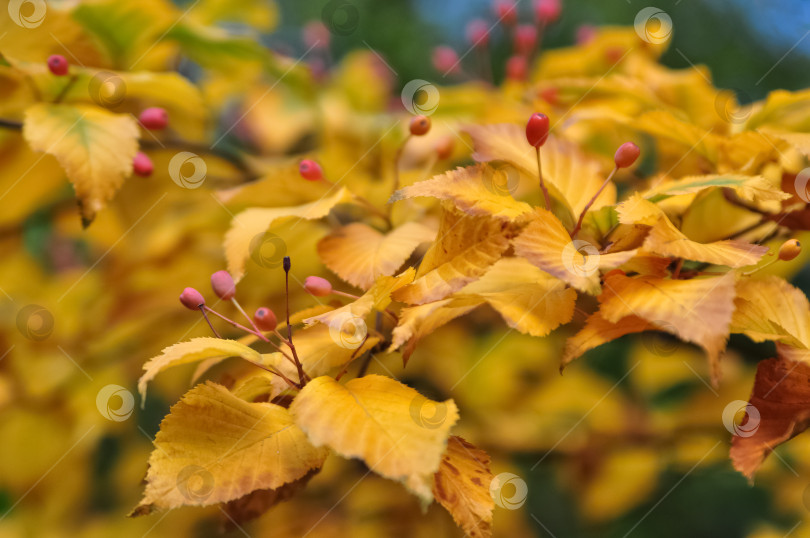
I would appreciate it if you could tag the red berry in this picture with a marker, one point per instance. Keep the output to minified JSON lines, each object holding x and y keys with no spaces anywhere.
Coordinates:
{"x":517,"y":67}
{"x":551,"y":95}
{"x":142,"y":165}
{"x":265,"y":319}
{"x":310,"y":170}
{"x":317,"y":286}
{"x":154,"y":118}
{"x":192,"y":299}
{"x":478,"y":33}
{"x":444,"y":147}
{"x":537,"y":129}
{"x":420,"y":125}
{"x":58,"y":65}
{"x":223,"y":285}
{"x":525,"y":38}
{"x":316,"y":35}
{"x":547,"y":11}
{"x":626,"y":155}
{"x":445,"y":59}
{"x":506,"y":11}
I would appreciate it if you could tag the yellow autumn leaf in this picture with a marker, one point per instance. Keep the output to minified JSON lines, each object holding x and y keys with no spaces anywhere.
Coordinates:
{"x":95,"y":147}
{"x":209,"y":445}
{"x":749,"y":188}
{"x":359,"y":254}
{"x":462,"y":486}
{"x":396,"y":431}
{"x":416,"y":322}
{"x":575,"y":176}
{"x":253,"y":222}
{"x":473,"y":190}
{"x":547,"y":244}
{"x":529,"y":299}
{"x":196,"y":349}
{"x":771,"y":309}
{"x":665,"y":239}
{"x":597,"y":331}
{"x":697,"y":310}
{"x":466,"y":247}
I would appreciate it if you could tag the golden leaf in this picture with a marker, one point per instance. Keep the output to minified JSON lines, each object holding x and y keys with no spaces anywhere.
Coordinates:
{"x":416,"y":322}
{"x":468,"y":190}
{"x":462,"y":486}
{"x":209,"y":446}
{"x":598,"y":331}
{"x":771,"y":309}
{"x":95,"y":147}
{"x":396,"y":431}
{"x":251,"y":223}
{"x":196,"y":349}
{"x":359,"y":254}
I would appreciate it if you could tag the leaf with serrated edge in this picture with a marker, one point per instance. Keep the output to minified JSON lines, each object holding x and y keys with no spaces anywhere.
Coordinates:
{"x":231,"y":446}
{"x":396,"y":431}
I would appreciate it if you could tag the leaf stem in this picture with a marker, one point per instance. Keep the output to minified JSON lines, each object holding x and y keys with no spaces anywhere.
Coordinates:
{"x":301,"y":374}
{"x":546,"y":197}
{"x":202,"y":309}
{"x":591,"y":201}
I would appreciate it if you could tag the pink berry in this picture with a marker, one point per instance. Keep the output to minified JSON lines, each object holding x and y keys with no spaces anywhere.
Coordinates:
{"x":585,"y":34}
{"x":506,"y":11}
{"x":547,"y":11}
{"x":192,"y":299}
{"x":142,"y":165}
{"x":626,"y":155}
{"x":265,"y":319}
{"x":310,"y":170}
{"x":223,"y":285}
{"x":317,"y":286}
{"x":517,"y":68}
{"x":419,"y":125}
{"x":58,"y":65}
{"x":537,"y":129}
{"x":445,"y":59}
{"x":525,"y":38}
{"x":154,"y":118}
{"x":444,"y":147}
{"x":478,"y":33}
{"x":316,"y":35}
